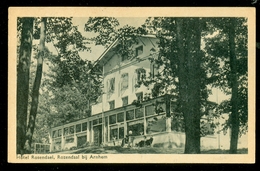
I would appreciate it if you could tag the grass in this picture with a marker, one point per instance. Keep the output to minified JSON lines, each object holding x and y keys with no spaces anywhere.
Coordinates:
{"x":144,"y":150}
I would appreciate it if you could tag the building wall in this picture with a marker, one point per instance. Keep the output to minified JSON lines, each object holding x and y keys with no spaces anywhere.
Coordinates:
{"x":115,"y":68}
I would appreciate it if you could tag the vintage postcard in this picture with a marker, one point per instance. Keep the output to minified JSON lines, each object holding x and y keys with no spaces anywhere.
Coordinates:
{"x":131,"y":85}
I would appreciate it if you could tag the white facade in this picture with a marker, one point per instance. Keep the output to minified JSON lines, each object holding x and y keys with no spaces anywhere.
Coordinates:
{"x":124,"y":87}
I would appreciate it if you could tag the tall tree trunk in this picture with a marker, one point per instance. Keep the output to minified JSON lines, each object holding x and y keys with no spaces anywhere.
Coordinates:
{"x":188,"y":46}
{"x":234,"y":87}
{"x":23,"y":72}
{"x":36,"y":87}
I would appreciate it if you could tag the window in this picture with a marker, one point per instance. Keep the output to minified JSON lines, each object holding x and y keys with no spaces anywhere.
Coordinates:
{"x":136,"y":128}
{"x":121,"y":132}
{"x":124,"y":83}
{"x":138,"y":50}
{"x":78,"y":128}
{"x":84,"y":126}
{"x":66,"y":131}
{"x":141,"y":74}
{"x":120,"y":117}
{"x":139,"y":113}
{"x":113,"y":133}
{"x":72,"y":130}
{"x":149,"y":110}
{"x":100,"y":120}
{"x":54,"y":134}
{"x":59,"y":133}
{"x":112,"y":119}
{"x":139,"y":96}
{"x":116,"y":132}
{"x":111,"y":104}
{"x":125,"y":101}
{"x":95,"y":121}
{"x":111,"y":85}
{"x":130,"y":115}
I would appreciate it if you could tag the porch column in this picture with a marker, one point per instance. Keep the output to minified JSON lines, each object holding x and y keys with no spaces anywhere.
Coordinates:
{"x":125,"y":125}
{"x":105,"y":129}
{"x":62,"y":139}
{"x":145,"y":126}
{"x":75,"y":136}
{"x":92,"y":132}
{"x":51,"y":141}
{"x":168,"y":113}
{"x":88,"y":133}
{"x":108,"y":127}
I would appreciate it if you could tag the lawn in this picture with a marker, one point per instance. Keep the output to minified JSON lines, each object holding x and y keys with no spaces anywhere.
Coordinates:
{"x":143,"y":150}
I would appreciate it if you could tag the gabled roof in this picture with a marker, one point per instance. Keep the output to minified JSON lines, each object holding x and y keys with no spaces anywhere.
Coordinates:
{"x":105,"y":56}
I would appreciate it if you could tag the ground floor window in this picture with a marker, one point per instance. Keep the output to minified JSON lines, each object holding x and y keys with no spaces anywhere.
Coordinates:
{"x":155,"y":124}
{"x":112,"y":119}
{"x":69,"y":140}
{"x":136,"y":127}
{"x":113,"y":133}
{"x":130,"y":115}
{"x":66,"y":131}
{"x":72,"y":130}
{"x":84,"y":126}
{"x":78,"y":128}
{"x":81,"y":140}
{"x":54,"y":134}
{"x":57,"y":145}
{"x":117,"y":132}
{"x":139,"y":113}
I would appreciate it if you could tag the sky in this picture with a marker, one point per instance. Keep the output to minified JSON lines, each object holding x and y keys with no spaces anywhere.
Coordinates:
{"x":217,"y":96}
{"x":96,"y":51}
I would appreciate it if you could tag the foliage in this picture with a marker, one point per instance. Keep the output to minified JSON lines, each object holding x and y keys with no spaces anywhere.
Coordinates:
{"x":217,"y":52}
{"x":72,"y":81}
{"x":108,"y":32}
{"x":67,"y":71}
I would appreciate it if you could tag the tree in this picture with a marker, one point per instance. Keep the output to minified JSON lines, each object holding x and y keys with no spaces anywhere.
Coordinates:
{"x":229,"y":47}
{"x":36,"y":85}
{"x":183,"y":61}
{"x":67,"y":39}
{"x":189,"y":57}
{"x":23,"y":70}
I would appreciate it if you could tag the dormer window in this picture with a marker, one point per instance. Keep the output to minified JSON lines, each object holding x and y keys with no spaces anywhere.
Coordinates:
{"x":138,"y":50}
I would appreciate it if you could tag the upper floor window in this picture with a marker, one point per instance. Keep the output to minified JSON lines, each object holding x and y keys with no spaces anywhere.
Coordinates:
{"x":111,"y":104}
{"x":139,"y":96}
{"x":124,"y":83}
{"x":111,"y":85}
{"x":125,"y":101}
{"x":138,"y":50}
{"x":141,"y":74}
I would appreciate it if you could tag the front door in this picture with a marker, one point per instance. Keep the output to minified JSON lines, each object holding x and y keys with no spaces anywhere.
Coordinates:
{"x":97,"y":135}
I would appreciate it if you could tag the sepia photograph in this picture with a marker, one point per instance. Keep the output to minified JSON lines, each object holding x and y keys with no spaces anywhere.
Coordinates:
{"x":131,"y":85}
